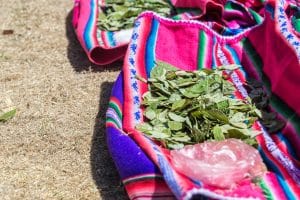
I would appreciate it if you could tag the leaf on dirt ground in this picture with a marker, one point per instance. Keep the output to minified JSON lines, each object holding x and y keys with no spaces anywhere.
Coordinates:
{"x":8,"y":115}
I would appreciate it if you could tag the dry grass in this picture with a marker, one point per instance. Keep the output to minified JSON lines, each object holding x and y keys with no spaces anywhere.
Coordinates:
{"x":54,"y":148}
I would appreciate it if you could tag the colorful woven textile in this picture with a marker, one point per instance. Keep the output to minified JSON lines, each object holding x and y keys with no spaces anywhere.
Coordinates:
{"x":266,"y":47}
{"x":100,"y":46}
{"x":104,"y":47}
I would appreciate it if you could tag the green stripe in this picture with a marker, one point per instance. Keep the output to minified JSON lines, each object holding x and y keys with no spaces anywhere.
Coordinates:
{"x":201,"y":49}
{"x":258,"y":19}
{"x":114,"y":106}
{"x":275,"y":101}
{"x":112,"y":120}
{"x":233,"y":6}
{"x":267,"y":192}
{"x":296,"y":23}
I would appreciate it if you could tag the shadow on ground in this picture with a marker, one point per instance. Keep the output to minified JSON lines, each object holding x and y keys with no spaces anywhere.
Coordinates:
{"x":103,"y":169}
{"x":76,"y":55}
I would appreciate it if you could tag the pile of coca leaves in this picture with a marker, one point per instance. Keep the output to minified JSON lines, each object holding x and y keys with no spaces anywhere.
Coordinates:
{"x":120,"y":14}
{"x":189,"y":107}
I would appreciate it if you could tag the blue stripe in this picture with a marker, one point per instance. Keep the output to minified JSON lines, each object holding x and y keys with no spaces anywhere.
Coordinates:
{"x":213,"y":63}
{"x":88,"y":28}
{"x":111,"y":39}
{"x":287,"y":191}
{"x":287,"y":143}
{"x":269,"y":163}
{"x":150,"y":47}
{"x":277,"y":172}
{"x":167,"y":172}
{"x":236,"y":59}
{"x":270,"y":9}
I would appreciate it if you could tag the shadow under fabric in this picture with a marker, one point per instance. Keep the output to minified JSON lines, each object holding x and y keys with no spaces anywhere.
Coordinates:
{"x":267,"y":52}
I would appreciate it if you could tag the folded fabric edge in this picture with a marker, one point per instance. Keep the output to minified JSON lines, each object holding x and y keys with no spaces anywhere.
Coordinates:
{"x":84,"y":22}
{"x":103,"y":56}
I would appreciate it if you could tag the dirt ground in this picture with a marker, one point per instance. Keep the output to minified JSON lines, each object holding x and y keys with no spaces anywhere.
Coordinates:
{"x":54,"y":148}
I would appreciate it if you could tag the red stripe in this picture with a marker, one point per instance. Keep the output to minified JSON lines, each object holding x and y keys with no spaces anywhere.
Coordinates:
{"x":110,"y":124}
{"x":128,"y":100}
{"x":104,"y":39}
{"x":148,"y":188}
{"x":217,"y":60}
{"x":116,"y":101}
{"x":209,"y":49}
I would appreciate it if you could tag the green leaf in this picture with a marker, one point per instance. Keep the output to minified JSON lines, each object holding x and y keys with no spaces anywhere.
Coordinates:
{"x":140,"y":78}
{"x":175,"y":145}
{"x":229,"y":67}
{"x":149,"y":113}
{"x":236,"y":133}
{"x":158,"y":135}
{"x":251,"y":142}
{"x":198,"y":136}
{"x":175,"y":117}
{"x":8,"y":115}
{"x":198,"y":88}
{"x":158,"y":72}
{"x":241,"y":125}
{"x":188,"y":94}
{"x":237,"y":117}
{"x":161,"y":116}
{"x":144,"y":127}
{"x":188,"y":122}
{"x":178,"y":105}
{"x":218,"y":134}
{"x":173,"y":125}
{"x":181,"y":137}
{"x":175,"y":97}
{"x":217,"y":115}
{"x":223,"y":104}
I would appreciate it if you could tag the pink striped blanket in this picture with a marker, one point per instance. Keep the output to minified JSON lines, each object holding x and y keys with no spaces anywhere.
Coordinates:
{"x":262,"y":37}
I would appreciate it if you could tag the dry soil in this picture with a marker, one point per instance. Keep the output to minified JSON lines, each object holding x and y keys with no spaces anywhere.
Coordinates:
{"x":54,"y":148}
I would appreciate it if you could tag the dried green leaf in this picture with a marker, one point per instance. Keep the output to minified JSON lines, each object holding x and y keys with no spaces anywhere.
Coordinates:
{"x":158,"y":135}
{"x":175,"y":97}
{"x":175,"y":117}
{"x":178,"y":105}
{"x":149,"y":113}
{"x":162,"y":116}
{"x":175,"y":145}
{"x":140,"y":78}
{"x":181,"y":137}
{"x":241,"y":125}
{"x":229,"y":67}
{"x":218,"y":134}
{"x":144,"y":127}
{"x":8,"y":115}
{"x":173,"y":125}
{"x":188,"y":94}
{"x":217,"y":115}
